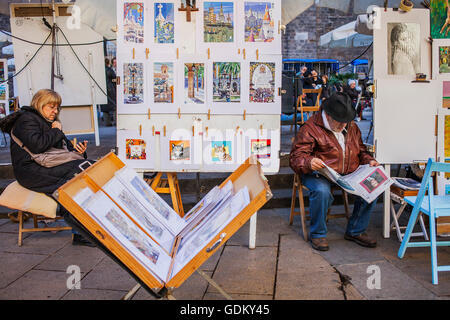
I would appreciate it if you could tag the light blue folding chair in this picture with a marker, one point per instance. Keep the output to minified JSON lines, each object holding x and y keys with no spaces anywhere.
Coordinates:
{"x":434,"y":206}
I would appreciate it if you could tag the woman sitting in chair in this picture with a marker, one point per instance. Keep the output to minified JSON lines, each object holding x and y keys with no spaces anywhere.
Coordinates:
{"x":35,"y":130}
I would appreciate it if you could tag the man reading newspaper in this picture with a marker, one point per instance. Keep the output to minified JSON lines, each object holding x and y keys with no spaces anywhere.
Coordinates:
{"x":330,"y":138}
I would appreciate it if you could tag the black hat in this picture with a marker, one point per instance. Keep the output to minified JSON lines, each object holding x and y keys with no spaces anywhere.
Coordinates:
{"x":339,"y":107}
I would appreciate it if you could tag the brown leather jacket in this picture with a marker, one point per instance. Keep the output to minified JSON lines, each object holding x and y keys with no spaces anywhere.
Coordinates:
{"x":315,"y":141}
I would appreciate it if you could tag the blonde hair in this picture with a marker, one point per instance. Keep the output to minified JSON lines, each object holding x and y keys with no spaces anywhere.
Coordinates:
{"x":44,"y":97}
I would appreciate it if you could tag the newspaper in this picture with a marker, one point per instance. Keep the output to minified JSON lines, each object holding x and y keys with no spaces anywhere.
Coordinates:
{"x":367,"y":182}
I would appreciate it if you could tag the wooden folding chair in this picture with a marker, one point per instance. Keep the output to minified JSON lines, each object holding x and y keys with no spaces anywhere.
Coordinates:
{"x":304,"y":215}
{"x":301,"y":108}
{"x":435,"y":206}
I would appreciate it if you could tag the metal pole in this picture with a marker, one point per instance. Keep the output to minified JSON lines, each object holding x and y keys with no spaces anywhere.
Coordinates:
{"x":52,"y":79}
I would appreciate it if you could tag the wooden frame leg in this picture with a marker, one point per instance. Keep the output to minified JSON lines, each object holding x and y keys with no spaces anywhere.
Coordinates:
{"x":293,"y":200}
{"x":346,"y":205}
{"x":20,"y":216}
{"x":302,"y":212}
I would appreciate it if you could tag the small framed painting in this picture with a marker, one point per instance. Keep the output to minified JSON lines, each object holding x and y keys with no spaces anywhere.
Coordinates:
{"x":137,"y":151}
{"x":164,"y":86}
{"x":441,"y":59}
{"x":264,"y":145}
{"x":178,"y":151}
{"x":443,"y":153}
{"x":221,"y":150}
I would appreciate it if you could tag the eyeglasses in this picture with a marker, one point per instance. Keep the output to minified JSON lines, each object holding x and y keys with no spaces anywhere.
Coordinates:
{"x":53,"y":108}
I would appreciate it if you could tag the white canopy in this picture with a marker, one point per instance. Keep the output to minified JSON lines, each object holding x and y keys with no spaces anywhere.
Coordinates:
{"x":345,"y":37}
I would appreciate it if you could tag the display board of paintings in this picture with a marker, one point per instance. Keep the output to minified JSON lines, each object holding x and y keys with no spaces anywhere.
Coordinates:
{"x":401,"y":49}
{"x":4,"y":89}
{"x":225,"y":62}
{"x":444,"y":149}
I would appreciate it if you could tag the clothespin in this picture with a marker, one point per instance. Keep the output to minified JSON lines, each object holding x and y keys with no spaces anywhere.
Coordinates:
{"x":206,"y":130}
{"x":245,"y":112}
{"x":239,"y":51}
{"x":178,"y":53}
{"x":140,"y":130}
{"x":209,"y":114}
{"x":153,"y":130}
{"x":147,"y":51}
{"x":257,"y":54}
{"x":279,"y":26}
{"x":149,"y":114}
{"x":134,"y":53}
{"x":209,"y":53}
{"x":193,"y":131}
{"x":237,"y":129}
{"x":243,"y":52}
{"x":179,"y":113}
{"x":164,"y":131}
{"x":261,"y":128}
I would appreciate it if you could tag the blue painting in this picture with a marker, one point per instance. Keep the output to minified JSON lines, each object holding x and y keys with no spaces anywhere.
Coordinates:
{"x":164,"y":23}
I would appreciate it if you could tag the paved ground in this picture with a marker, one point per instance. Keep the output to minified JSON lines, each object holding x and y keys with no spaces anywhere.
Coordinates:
{"x":283,"y":266}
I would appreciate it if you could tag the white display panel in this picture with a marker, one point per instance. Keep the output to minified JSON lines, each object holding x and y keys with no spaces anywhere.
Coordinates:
{"x":401,"y":48}
{"x":404,"y":120}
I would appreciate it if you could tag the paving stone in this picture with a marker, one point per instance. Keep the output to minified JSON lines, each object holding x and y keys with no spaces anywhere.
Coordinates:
{"x":84,"y":257}
{"x":37,"y":285}
{"x":142,"y":294}
{"x":15,"y":265}
{"x":108,"y":275}
{"x":13,"y":227}
{"x":422,"y":273}
{"x":395,"y":284}
{"x":296,"y":254}
{"x":244,"y":271}
{"x":193,"y":288}
{"x":351,"y":293}
{"x":211,"y":263}
{"x":39,"y":242}
{"x":347,"y":252}
{"x":4,"y":221}
{"x":308,"y":286}
{"x":94,"y":294}
{"x":9,"y":240}
{"x":268,"y":225}
{"x":218,"y":296}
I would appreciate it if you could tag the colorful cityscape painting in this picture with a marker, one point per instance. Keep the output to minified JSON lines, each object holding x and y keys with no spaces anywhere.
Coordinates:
{"x":133,"y":74}
{"x":164,"y":22}
{"x":194,"y":83}
{"x":135,"y":149}
{"x":226,"y":82}
{"x":218,"y":20}
{"x":163,"y":76}
{"x":262,"y":82}
{"x":133,"y":22}
{"x":259,"y":24}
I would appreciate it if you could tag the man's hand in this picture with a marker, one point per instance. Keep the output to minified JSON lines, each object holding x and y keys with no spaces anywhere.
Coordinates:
{"x":57,"y":124}
{"x":374,"y":163}
{"x":317,"y":164}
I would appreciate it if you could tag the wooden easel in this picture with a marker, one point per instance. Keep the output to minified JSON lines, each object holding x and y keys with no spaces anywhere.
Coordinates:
{"x":170,"y":186}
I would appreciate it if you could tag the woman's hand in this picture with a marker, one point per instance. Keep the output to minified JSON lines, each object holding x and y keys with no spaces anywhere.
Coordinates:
{"x":317,"y":164}
{"x":81,"y":147}
{"x":57,"y":124}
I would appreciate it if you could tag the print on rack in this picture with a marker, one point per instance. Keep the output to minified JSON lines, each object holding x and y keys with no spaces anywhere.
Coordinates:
{"x":262,"y":82}
{"x":194,"y":83}
{"x":133,"y":22}
{"x":163,"y":88}
{"x":259,"y":24}
{"x":218,"y":21}
{"x":226,"y":82}
{"x":133,"y":86}
{"x":135,"y":149}
{"x":164,"y":23}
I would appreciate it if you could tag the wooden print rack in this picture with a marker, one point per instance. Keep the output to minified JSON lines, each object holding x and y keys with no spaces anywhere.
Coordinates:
{"x":249,"y":175}
{"x":170,"y":186}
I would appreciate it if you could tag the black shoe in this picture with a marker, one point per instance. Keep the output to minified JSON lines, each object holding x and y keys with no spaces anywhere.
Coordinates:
{"x":363,"y":240}
{"x":78,"y":240}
